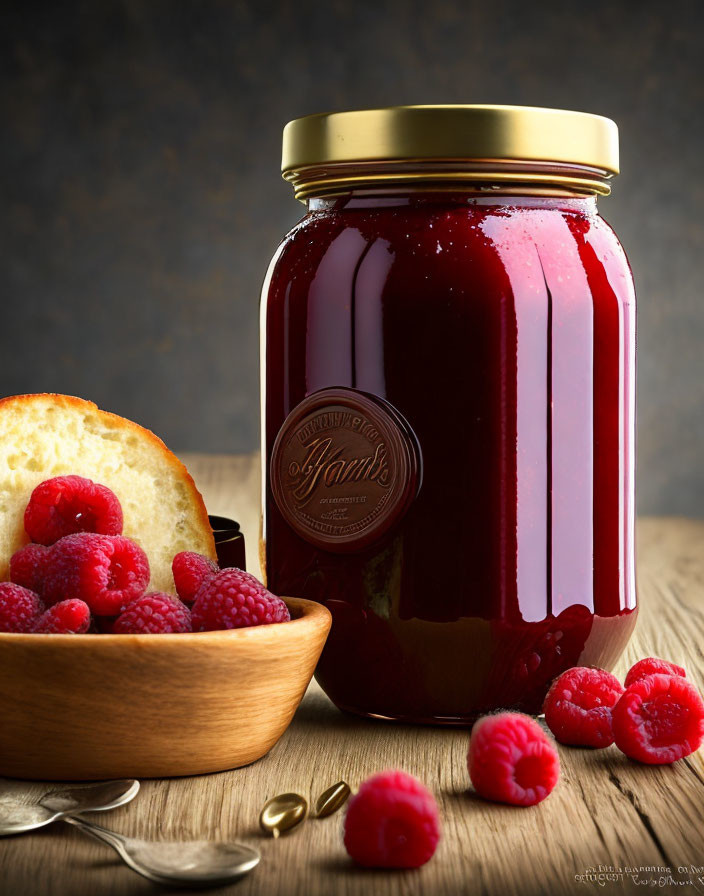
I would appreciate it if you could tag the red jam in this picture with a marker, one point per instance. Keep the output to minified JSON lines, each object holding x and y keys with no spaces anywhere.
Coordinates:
{"x":503,"y":331}
{"x":448,"y":405}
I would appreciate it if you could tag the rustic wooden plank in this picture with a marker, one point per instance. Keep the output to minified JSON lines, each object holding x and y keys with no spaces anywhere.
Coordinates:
{"x":606,"y":811}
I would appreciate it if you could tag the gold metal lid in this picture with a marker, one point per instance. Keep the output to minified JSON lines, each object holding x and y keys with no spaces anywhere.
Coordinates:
{"x":499,"y":147}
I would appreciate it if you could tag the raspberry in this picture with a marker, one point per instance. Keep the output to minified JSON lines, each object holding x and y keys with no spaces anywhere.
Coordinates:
{"x":156,"y":614}
{"x":28,"y":566}
{"x":392,"y":822}
{"x":578,"y":706}
{"x":235,"y":599}
{"x":69,"y":617}
{"x":649,"y":666}
{"x":19,"y":608}
{"x":190,"y":571}
{"x":65,"y":505}
{"x":511,"y":759}
{"x":659,"y":719}
{"x":108,"y":572}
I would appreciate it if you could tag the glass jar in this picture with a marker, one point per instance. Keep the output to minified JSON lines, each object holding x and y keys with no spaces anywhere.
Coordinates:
{"x":448,"y":351}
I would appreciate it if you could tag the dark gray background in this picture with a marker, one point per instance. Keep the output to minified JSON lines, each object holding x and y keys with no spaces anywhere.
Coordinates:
{"x":141,"y":197}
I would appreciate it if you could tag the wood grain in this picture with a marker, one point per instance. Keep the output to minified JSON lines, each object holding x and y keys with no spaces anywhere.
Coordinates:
{"x":606,"y":810}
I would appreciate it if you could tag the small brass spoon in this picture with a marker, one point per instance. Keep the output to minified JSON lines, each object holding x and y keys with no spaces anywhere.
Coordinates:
{"x":332,"y":799}
{"x":282,"y":813}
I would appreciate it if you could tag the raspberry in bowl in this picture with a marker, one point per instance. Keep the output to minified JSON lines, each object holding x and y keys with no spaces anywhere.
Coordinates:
{"x":230,"y":670}
{"x":103,"y":673}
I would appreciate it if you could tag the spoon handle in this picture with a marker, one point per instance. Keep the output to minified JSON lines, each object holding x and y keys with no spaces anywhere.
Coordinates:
{"x":117,"y":841}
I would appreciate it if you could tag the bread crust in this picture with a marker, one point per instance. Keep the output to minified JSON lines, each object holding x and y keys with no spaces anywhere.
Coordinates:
{"x":115,"y":421}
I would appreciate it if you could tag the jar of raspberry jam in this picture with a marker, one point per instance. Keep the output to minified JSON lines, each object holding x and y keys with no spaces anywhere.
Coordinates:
{"x":448,"y":343}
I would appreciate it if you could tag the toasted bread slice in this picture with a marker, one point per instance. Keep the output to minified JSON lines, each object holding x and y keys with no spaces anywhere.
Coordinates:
{"x":46,"y":435}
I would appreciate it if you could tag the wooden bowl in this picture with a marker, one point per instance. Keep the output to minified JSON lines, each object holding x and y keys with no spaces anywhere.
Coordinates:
{"x":81,"y":707}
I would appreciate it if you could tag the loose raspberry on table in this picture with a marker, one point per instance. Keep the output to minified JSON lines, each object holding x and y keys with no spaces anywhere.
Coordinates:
{"x":512,"y":760}
{"x":235,"y":599}
{"x":28,"y":567}
{"x":578,"y":706}
{"x":155,"y":613}
{"x":69,"y":617}
{"x":65,"y":505}
{"x":108,"y":572}
{"x":190,"y":571}
{"x":392,"y":822}
{"x":659,"y":719}
{"x":651,"y":665}
{"x":20,"y":608}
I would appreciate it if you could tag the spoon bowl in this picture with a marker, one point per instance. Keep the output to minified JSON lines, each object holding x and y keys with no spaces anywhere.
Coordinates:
{"x":17,"y":816}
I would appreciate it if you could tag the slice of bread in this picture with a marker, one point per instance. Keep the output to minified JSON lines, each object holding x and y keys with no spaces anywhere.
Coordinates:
{"x":42,"y":436}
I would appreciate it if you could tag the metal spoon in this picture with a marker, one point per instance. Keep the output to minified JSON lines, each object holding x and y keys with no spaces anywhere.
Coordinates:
{"x":193,"y":864}
{"x":17,"y":817}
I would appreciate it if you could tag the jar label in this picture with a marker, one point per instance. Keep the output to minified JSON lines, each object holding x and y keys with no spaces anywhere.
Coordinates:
{"x":345,"y":467}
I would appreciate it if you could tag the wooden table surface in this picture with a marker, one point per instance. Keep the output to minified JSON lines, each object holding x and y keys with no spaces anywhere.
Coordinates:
{"x":642,"y":823}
